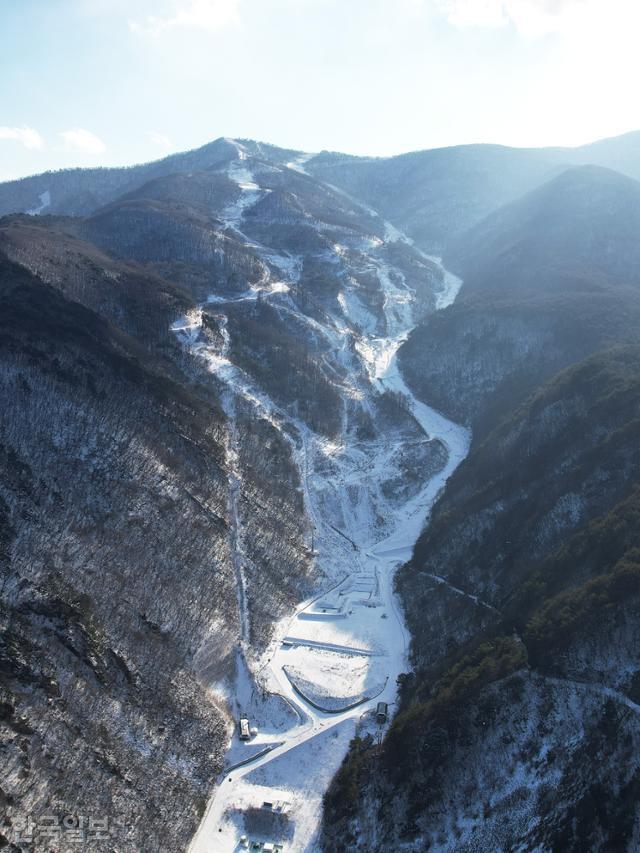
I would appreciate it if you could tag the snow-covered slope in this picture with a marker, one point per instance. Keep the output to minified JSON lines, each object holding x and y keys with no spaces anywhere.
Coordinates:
{"x":367,"y":489}
{"x":254,"y":316}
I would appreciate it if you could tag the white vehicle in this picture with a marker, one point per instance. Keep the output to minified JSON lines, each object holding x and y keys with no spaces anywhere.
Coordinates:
{"x":245,"y":731}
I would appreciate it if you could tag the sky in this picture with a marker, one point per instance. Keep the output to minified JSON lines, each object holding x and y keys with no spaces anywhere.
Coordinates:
{"x":116,"y":82}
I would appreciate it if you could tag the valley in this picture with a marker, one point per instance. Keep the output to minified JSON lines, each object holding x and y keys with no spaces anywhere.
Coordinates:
{"x":240,"y":382}
{"x":347,"y":646}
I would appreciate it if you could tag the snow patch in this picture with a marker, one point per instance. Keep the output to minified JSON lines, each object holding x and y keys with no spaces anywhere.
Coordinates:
{"x":45,"y":202}
{"x":350,"y":640}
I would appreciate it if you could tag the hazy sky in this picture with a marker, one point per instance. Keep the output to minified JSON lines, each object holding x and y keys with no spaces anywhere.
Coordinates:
{"x":105,"y":82}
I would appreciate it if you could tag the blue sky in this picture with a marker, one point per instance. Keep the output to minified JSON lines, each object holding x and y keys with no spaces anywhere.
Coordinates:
{"x":109,"y":82}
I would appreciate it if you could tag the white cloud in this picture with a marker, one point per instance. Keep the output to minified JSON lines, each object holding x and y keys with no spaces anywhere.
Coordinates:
{"x":159,"y":139}
{"x":529,"y":17}
{"x":473,"y":13}
{"x":208,"y":15}
{"x":80,"y":139}
{"x":26,"y":136}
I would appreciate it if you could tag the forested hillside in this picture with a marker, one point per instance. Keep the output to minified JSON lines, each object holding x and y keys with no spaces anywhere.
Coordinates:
{"x":108,"y":466}
{"x":214,"y":457}
{"x":521,"y":722}
{"x":548,"y":280}
{"x":177,"y":365}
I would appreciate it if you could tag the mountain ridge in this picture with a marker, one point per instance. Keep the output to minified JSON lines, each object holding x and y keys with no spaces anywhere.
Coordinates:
{"x":501,"y":173}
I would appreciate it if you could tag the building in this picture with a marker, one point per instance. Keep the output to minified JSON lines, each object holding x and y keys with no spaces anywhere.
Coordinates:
{"x":382,"y":713}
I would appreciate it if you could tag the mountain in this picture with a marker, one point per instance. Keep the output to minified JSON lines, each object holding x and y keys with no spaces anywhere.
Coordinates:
{"x":579,"y":229}
{"x":189,"y":404}
{"x":433,"y":195}
{"x":621,"y":153}
{"x":518,"y":725}
{"x":107,"y":466}
{"x":548,"y":280}
{"x":138,"y":302}
{"x":521,"y":721}
{"x":217,"y":446}
{"x":76,"y":192}
{"x":437,"y":195}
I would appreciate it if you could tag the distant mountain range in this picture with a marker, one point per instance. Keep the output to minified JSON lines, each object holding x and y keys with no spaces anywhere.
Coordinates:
{"x":432,"y":195}
{"x":549,"y":279}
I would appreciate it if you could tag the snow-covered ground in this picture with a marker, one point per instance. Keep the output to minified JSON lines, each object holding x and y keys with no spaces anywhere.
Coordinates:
{"x":339,"y":654}
{"x":45,"y":202}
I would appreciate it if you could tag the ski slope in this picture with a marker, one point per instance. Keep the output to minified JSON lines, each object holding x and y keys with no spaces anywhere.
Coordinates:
{"x":340,"y":653}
